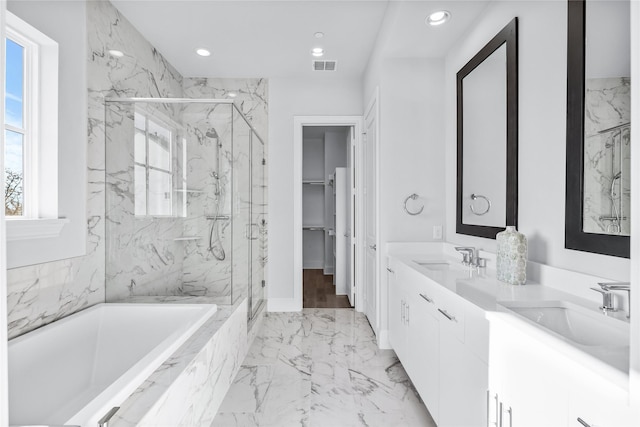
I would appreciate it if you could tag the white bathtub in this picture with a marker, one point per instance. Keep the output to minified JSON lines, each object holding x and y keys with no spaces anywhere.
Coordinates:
{"x":75,"y":370}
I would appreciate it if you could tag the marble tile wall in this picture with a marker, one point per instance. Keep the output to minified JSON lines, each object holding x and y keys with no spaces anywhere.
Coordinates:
{"x":607,"y":105}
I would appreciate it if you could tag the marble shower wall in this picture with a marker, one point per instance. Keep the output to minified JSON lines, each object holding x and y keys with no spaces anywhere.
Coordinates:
{"x":43,"y":293}
{"x":607,"y":105}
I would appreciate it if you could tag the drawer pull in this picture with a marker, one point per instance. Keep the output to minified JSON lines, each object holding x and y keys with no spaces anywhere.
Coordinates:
{"x":447,"y":315}
{"x":583,"y":422}
{"x":426,"y":298}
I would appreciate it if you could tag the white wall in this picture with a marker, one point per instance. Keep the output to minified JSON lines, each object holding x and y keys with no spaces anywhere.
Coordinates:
{"x":289,"y":97}
{"x":64,"y":22}
{"x":411,"y":151}
{"x":542,"y":132}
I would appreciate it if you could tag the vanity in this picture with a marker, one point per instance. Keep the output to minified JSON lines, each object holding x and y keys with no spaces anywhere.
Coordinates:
{"x":484,"y":353}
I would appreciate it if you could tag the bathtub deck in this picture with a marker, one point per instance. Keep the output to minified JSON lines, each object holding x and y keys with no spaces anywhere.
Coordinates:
{"x":320,"y":367}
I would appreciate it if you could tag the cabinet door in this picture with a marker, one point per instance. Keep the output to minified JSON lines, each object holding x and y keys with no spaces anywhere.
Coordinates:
{"x":397,"y":334}
{"x":423,"y":365}
{"x":599,"y":402}
{"x":534,"y":384}
{"x":463,"y":383}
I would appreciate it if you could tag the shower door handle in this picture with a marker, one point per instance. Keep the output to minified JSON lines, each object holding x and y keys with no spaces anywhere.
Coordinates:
{"x":248,"y":231}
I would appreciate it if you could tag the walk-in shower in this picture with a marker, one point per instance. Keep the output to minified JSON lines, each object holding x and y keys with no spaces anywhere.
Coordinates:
{"x":185,"y":201}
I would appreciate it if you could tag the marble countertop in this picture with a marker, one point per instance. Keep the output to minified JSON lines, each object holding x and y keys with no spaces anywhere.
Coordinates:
{"x":484,"y":291}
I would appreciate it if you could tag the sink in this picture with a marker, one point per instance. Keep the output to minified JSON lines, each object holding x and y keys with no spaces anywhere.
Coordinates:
{"x":435,"y":265}
{"x":573,"y":322}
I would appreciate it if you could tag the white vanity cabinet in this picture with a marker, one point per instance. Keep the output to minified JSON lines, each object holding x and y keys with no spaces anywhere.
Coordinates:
{"x":427,"y":329}
{"x":538,"y":385}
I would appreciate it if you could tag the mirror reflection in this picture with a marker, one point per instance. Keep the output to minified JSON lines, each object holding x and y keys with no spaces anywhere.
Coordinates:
{"x":607,"y":115}
{"x":484,"y":126}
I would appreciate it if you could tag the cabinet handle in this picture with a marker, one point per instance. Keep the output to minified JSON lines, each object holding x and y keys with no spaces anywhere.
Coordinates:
{"x":498,"y":411}
{"x":510,"y":412}
{"x":447,"y":315}
{"x":500,"y":414}
{"x":426,"y":298}
{"x":390,"y":271}
{"x":408,"y":312}
{"x":583,"y":422}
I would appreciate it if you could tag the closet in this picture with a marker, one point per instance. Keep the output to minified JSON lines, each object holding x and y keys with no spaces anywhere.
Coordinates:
{"x":325,"y":196}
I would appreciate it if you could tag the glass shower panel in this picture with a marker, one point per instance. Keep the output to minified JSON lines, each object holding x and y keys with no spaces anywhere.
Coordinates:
{"x":242,"y":207}
{"x":143,"y":256}
{"x":207,"y":186}
{"x":185,"y":202}
{"x":258,"y":222}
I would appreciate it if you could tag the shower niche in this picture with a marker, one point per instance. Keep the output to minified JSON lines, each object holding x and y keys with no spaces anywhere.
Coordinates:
{"x":185,"y":202}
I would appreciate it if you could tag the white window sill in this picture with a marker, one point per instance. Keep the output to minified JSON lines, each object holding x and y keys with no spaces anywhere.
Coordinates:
{"x":24,"y":229}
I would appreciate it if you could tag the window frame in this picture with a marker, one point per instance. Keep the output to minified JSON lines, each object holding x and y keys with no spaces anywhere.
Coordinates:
{"x":40,"y":117}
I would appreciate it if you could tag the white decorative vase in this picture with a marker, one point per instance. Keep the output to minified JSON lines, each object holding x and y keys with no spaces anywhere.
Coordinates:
{"x":511,"y":259}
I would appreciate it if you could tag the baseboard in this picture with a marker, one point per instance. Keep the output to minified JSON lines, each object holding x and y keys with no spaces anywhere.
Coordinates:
{"x":327,"y":270}
{"x":313,"y":265}
{"x":383,"y":340}
{"x":283,"y":304}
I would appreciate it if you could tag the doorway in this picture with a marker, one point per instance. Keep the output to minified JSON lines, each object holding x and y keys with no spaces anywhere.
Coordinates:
{"x":326,"y":265}
{"x":325,"y":209}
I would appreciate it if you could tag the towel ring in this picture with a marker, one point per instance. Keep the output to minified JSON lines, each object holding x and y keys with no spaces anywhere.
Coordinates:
{"x":414,"y":196}
{"x":478,"y":196}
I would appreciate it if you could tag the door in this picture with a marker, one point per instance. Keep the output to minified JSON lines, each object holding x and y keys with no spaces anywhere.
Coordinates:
{"x":351,"y":215}
{"x":370,"y":284}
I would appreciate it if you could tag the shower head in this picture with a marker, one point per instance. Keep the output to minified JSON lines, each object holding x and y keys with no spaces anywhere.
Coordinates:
{"x":211,"y":133}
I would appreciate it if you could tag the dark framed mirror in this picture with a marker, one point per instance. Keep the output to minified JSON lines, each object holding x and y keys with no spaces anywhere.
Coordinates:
{"x":598,"y":185}
{"x":487,"y":137}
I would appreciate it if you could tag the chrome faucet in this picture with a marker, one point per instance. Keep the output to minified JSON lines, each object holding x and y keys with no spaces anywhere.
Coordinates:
{"x":618,"y":286}
{"x":470,"y":256}
{"x":467,"y":254}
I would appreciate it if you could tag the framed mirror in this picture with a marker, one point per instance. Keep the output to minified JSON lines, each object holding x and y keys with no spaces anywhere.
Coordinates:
{"x":487,"y":137}
{"x":598,"y":185}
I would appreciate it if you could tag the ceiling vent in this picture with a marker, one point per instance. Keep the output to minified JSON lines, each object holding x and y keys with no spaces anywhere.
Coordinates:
{"x":324,"y":65}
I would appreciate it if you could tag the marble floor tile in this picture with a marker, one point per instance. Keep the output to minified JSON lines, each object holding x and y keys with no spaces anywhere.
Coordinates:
{"x":317,"y":368}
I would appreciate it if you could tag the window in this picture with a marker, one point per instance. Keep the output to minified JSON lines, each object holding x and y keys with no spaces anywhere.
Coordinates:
{"x":153,"y":166}
{"x":31,"y":132}
{"x":17,"y":126}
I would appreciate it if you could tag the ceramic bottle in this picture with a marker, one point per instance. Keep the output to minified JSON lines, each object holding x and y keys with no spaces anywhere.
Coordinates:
{"x":511,"y":259}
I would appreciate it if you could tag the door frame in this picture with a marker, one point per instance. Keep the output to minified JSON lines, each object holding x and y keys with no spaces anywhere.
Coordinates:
{"x":299,"y":122}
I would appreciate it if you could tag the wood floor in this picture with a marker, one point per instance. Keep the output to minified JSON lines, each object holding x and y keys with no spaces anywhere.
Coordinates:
{"x":319,"y":292}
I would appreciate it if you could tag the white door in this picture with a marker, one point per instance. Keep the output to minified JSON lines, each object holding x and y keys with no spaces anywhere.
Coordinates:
{"x":370,"y":216}
{"x":351,"y":224}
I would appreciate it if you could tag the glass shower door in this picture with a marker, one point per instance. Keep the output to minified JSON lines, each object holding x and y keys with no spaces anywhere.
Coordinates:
{"x":258,"y":223}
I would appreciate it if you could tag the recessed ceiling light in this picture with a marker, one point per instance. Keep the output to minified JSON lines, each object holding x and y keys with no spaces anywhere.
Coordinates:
{"x":438,"y":18}
{"x":319,"y":35}
{"x":232,"y":94}
{"x":317,"y":51}
{"x":116,"y":53}
{"x":203,"y":52}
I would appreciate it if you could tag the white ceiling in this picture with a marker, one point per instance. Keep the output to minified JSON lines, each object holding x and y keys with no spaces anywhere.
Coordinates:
{"x":274,"y":38}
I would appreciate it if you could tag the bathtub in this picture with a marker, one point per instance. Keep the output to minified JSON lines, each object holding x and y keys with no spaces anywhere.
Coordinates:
{"x":75,"y":370}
